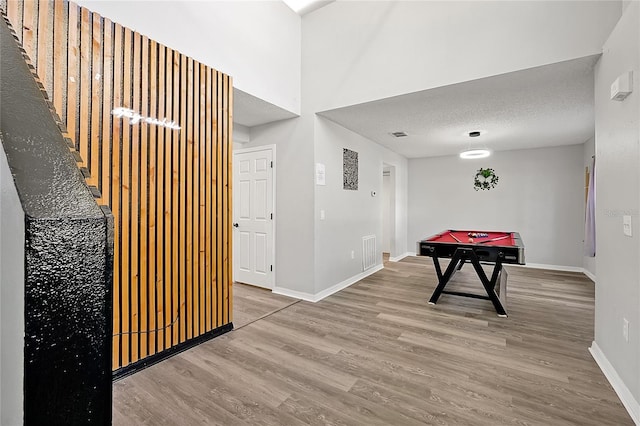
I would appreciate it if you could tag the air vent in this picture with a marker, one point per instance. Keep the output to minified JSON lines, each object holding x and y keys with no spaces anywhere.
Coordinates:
{"x":399,"y":134}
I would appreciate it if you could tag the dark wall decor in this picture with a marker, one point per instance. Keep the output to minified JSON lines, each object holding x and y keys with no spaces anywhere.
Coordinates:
{"x":68,"y":257}
{"x":350,"y":169}
{"x":152,"y":131}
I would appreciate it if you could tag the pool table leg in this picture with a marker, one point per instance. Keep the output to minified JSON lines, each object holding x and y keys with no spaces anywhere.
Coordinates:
{"x":454,"y":266}
{"x":490,"y":285}
{"x":460,"y":257}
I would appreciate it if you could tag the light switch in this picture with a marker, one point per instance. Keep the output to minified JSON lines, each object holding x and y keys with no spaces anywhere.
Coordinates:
{"x":626,"y":226}
{"x":321,"y":214}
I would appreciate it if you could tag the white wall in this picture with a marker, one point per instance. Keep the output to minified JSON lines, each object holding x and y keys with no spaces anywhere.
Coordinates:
{"x":589,"y":263}
{"x":255,"y":42}
{"x":313,"y":255}
{"x":241,"y":134}
{"x":354,"y":52}
{"x":294,"y":202}
{"x":11,"y":298}
{"x":539,"y":194}
{"x":351,"y":215}
{"x":357,"y":51}
{"x":618,"y":186}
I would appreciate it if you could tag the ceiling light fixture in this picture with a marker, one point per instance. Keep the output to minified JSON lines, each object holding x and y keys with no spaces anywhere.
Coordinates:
{"x":475,"y":153}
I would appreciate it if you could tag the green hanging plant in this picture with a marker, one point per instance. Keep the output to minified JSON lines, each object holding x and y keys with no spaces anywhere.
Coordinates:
{"x":485,"y":179}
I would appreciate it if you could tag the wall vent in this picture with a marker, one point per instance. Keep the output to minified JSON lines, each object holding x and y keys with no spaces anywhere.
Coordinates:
{"x":368,"y":252}
{"x":399,"y":134}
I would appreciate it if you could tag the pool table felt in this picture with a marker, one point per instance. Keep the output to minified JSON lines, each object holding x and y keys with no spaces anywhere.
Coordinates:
{"x":445,"y":237}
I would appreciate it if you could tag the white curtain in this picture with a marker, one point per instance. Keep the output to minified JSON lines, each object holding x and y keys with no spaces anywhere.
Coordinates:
{"x":590,"y":217}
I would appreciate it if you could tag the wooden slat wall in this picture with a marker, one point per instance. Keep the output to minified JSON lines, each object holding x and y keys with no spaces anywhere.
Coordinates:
{"x":169,"y":190}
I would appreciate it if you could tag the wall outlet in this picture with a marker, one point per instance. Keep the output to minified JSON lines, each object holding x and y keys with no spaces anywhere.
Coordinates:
{"x":353,"y":254}
{"x":625,"y":329}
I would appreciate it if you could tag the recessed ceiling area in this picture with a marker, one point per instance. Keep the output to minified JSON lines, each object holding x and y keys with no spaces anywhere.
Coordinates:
{"x":545,"y":106}
{"x":250,"y":111}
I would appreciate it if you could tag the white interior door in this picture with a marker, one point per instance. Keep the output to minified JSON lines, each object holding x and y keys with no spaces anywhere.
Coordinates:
{"x":253,"y":217}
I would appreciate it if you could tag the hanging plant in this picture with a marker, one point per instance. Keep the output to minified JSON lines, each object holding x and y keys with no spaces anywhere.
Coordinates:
{"x":485,"y":179}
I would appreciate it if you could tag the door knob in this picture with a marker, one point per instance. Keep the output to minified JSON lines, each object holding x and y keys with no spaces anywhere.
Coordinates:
{"x":235,"y":225}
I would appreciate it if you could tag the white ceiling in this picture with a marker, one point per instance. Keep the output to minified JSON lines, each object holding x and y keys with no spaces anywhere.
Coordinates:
{"x":544,"y":106}
{"x":250,"y":111}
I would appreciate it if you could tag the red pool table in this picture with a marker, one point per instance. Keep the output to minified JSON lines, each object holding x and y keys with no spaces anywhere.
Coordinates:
{"x":473,"y":247}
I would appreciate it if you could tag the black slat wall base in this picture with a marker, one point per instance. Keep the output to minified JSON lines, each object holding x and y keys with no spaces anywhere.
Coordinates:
{"x":68,"y":258}
{"x":168,"y":353}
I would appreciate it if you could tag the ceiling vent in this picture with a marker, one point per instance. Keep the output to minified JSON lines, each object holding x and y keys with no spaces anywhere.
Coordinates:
{"x":399,"y":134}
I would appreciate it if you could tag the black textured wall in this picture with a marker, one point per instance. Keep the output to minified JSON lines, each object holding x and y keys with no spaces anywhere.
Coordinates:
{"x":68,"y":258}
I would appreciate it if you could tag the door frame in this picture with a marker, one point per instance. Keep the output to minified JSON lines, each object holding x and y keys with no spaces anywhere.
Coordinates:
{"x":393,"y":249}
{"x":271,"y":148}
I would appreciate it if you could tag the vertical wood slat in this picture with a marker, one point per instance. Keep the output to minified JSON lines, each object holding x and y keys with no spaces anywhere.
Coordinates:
{"x":125,"y":205}
{"x":107,"y":102}
{"x":59,"y":59}
{"x":177,"y":284}
{"x":114,"y":199}
{"x":143,"y":195}
{"x":229,"y":202}
{"x":45,"y":36}
{"x":209,"y":185}
{"x":169,"y":193}
{"x":219,"y":183}
{"x":107,"y":146}
{"x":83,"y":142}
{"x":96,"y":77}
{"x":15,"y":14}
{"x":73,"y":75}
{"x":30,"y":30}
{"x":226,"y":201}
{"x":195,"y":207}
{"x":169,"y":190}
{"x":186,"y":180}
{"x":160,"y":217}
{"x":201,"y":215}
{"x":134,"y":230}
{"x":152,"y":176}
{"x":192,"y":283}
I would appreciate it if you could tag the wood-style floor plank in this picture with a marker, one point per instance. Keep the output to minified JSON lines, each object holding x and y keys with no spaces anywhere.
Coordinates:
{"x":377,"y":354}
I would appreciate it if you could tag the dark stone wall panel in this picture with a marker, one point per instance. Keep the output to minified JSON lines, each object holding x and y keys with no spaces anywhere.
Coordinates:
{"x":67,"y":322}
{"x":68,"y":258}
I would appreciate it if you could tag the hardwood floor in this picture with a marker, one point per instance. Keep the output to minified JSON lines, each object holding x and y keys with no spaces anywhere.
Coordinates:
{"x":377,"y":354}
{"x":253,"y":303}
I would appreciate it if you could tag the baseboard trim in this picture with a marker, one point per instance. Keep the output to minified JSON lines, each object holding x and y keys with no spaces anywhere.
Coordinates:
{"x":329,"y":291}
{"x":399,"y":258}
{"x":293,"y":293}
{"x":540,"y":266}
{"x":550,"y":267}
{"x":623,"y":392}
{"x":589,"y":275}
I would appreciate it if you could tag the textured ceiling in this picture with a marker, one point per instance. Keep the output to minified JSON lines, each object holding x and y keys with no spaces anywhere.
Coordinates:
{"x":251,"y":111}
{"x":544,"y":106}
